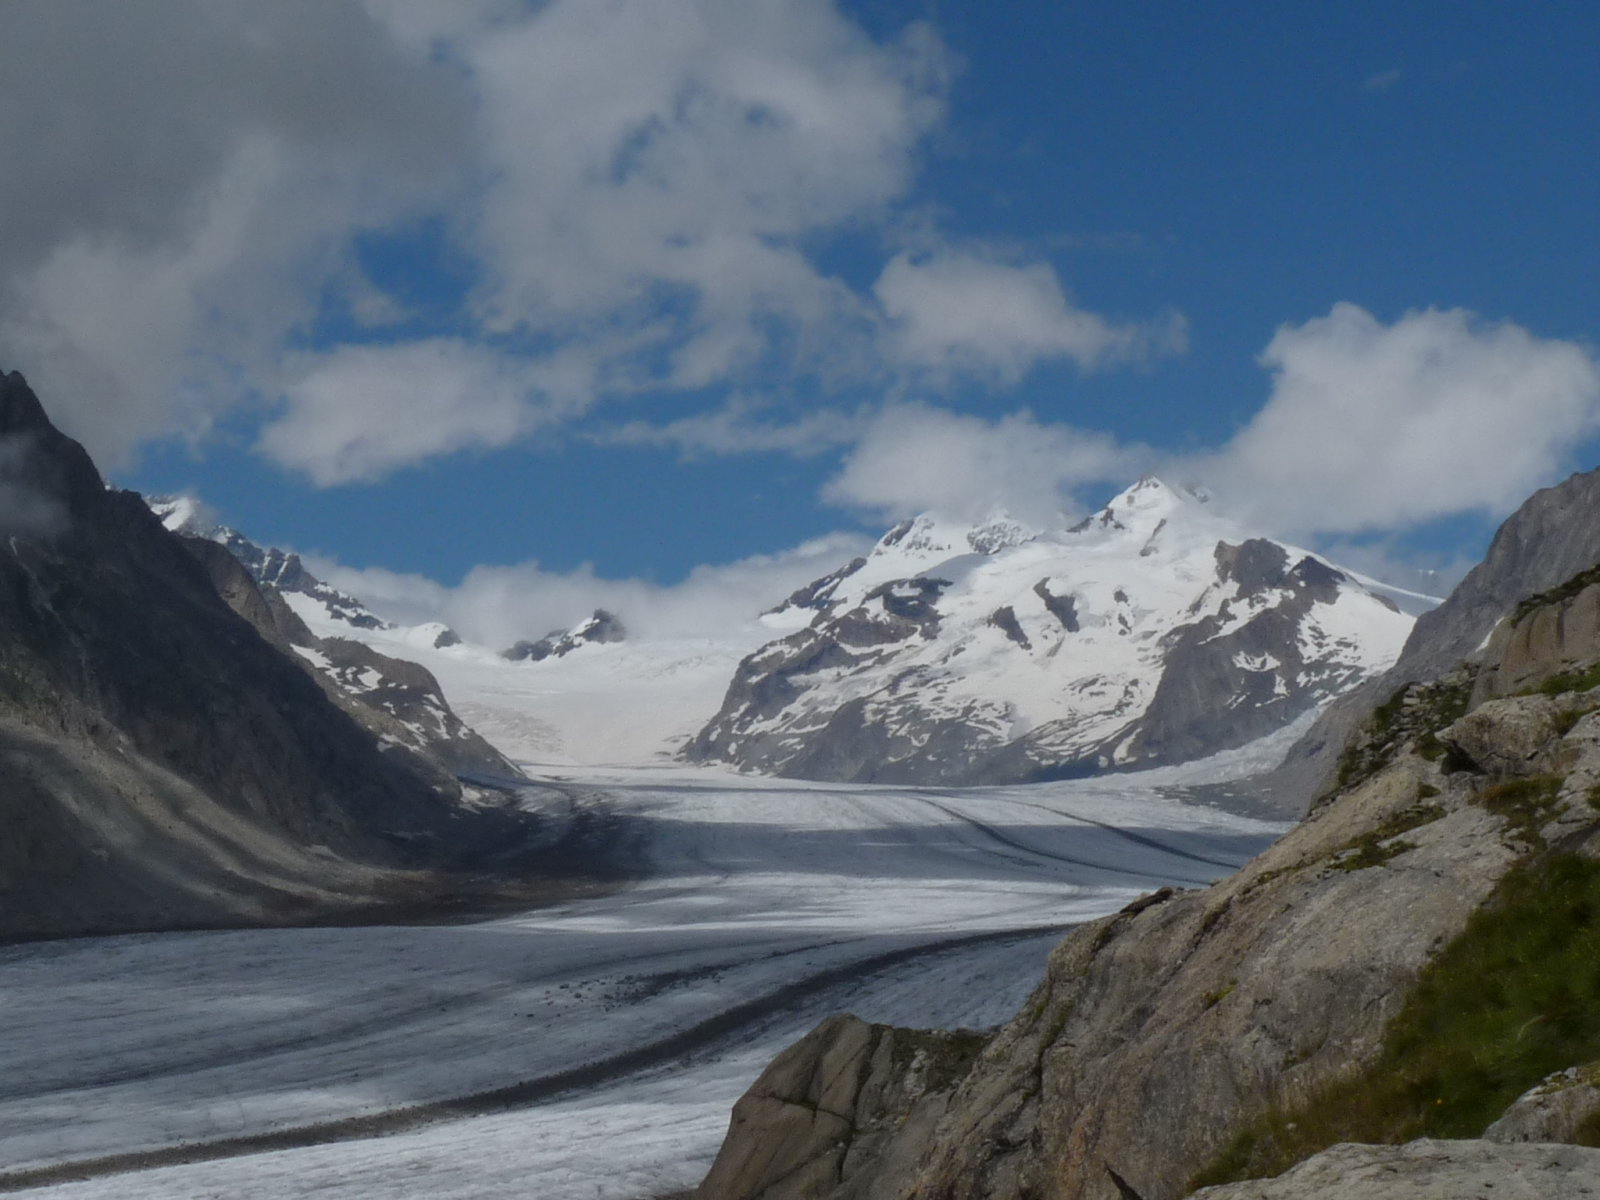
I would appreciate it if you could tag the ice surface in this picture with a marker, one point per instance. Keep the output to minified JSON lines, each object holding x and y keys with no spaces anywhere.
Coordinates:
{"x":768,"y":904}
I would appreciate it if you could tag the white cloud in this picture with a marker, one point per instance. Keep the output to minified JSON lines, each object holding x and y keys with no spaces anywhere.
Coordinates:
{"x":643,"y":191}
{"x":956,"y":312}
{"x":1368,"y":427}
{"x":914,"y":457}
{"x":498,"y":606}
{"x":1373,"y":426}
{"x":648,"y":145}
{"x":361,"y":411}
{"x":180,"y":179}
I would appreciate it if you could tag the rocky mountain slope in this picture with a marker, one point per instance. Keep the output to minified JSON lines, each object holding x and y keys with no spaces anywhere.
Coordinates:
{"x":165,"y":764}
{"x":1153,"y":632}
{"x":398,"y":700}
{"x":280,"y":570}
{"x":1417,"y":959}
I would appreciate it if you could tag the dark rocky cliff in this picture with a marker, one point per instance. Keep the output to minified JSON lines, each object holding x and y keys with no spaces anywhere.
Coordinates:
{"x":165,"y":764}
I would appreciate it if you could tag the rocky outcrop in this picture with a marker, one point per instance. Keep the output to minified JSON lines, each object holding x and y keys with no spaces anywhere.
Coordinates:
{"x":1545,"y":636}
{"x":167,"y":764}
{"x":1312,"y":998}
{"x":277,"y":572}
{"x":402,"y":703}
{"x":1562,"y":1108}
{"x":1430,"y":1170}
{"x":599,"y":629}
{"x":842,"y":1110}
{"x":1551,"y":538}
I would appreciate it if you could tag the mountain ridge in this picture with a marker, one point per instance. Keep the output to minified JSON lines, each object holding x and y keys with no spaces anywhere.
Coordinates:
{"x":992,"y":652}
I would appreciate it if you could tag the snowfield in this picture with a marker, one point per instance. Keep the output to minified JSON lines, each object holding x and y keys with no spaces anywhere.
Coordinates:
{"x":591,"y":1049}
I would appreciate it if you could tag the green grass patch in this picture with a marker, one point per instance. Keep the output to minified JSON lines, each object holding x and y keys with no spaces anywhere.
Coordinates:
{"x":1212,"y":999}
{"x":1375,"y":847}
{"x":1563,"y":591}
{"x":1527,"y":805}
{"x":1566,"y":718}
{"x":1416,"y":712}
{"x":1564,"y":682}
{"x":1507,"y":1003}
{"x":947,"y":1055}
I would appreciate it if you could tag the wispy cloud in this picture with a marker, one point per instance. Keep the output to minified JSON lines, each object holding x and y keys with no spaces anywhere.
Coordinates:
{"x":1382,"y":81}
{"x":743,"y":427}
{"x":498,"y":605}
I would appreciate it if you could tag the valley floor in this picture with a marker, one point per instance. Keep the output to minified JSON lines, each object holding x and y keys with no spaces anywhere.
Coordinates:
{"x":589,"y":1050}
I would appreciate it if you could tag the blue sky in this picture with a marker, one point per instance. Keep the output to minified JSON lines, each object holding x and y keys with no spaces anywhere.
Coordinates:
{"x":655,"y":284}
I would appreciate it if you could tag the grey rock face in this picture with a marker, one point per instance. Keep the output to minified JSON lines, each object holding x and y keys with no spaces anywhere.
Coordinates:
{"x":1553,"y":536}
{"x":399,"y":702}
{"x":1430,"y":1170}
{"x":817,"y":594}
{"x":1563,"y":1108}
{"x":1508,"y":738}
{"x":1185,"y":720}
{"x":402,"y":703}
{"x":271,"y":568}
{"x":1527,"y":649}
{"x":840,"y":1111}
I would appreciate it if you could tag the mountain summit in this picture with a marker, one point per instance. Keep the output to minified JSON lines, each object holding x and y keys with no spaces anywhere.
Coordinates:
{"x":1152,"y":632}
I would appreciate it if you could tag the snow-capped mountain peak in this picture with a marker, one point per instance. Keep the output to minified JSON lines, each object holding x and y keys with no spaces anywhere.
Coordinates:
{"x":311,"y":598}
{"x":1154,"y":631}
{"x":1144,"y":508}
{"x":929,"y":544}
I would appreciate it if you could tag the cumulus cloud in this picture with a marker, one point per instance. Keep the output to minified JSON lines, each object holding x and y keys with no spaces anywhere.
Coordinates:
{"x":498,"y":605}
{"x":357,"y":413}
{"x":957,"y":312}
{"x":680,"y":147}
{"x":914,"y":457}
{"x":181,"y":178}
{"x":1368,"y":427}
{"x":642,"y":192}
{"x":1374,"y":426}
